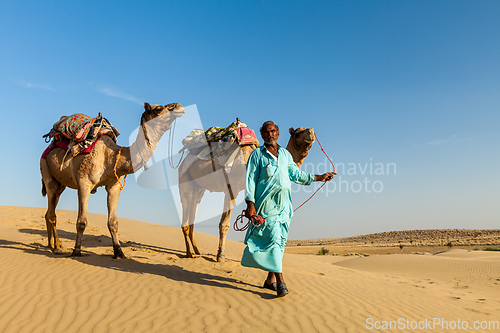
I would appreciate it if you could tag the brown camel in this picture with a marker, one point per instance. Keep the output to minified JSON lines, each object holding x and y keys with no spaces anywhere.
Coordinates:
{"x":106,"y":165}
{"x":203,"y":176}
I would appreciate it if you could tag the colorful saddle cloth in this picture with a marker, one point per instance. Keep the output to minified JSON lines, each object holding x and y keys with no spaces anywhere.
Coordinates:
{"x":81,"y":130}
{"x":217,"y":144}
{"x":236,"y":132}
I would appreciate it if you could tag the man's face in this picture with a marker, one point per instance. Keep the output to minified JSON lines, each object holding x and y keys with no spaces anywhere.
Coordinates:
{"x":270,"y":135}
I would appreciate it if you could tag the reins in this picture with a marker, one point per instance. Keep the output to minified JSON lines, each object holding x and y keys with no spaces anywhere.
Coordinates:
{"x":171,"y":147}
{"x":240,"y":217}
{"x":117,"y":178}
{"x":324,"y":182}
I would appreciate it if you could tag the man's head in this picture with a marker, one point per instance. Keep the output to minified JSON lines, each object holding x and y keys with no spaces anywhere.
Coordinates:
{"x":270,"y":133}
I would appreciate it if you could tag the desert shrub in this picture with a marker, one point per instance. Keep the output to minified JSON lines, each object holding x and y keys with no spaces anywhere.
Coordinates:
{"x":323,"y":251}
{"x":489,"y":248}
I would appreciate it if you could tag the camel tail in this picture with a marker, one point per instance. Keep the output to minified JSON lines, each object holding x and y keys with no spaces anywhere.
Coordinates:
{"x":44,"y":189}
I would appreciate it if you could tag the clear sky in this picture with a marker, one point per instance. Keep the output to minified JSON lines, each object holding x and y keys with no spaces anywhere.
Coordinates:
{"x":403,"y":95}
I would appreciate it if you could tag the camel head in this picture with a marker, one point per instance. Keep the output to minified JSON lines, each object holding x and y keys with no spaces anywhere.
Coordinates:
{"x":301,"y":140}
{"x":159,"y":117}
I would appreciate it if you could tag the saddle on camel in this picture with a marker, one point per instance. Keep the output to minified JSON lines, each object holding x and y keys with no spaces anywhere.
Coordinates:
{"x":218,"y":144}
{"x":78,"y":133}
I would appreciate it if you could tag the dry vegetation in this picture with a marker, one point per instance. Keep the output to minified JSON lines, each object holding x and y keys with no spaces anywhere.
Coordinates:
{"x":406,"y":241}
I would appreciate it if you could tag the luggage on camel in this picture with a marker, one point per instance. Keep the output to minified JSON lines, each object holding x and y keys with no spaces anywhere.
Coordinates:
{"x":78,"y":133}
{"x":236,"y":132}
{"x":218,"y":144}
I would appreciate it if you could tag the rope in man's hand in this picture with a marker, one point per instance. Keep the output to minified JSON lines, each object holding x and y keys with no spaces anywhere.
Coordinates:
{"x":256,"y":220}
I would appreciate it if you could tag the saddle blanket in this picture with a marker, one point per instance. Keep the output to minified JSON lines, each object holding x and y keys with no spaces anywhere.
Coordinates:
{"x":64,"y":144}
{"x":81,"y":131}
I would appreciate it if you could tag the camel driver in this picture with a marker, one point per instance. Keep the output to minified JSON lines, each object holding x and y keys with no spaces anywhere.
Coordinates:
{"x":270,"y":170}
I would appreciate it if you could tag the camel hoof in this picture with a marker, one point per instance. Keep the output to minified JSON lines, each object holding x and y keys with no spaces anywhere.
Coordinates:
{"x":59,"y":250}
{"x":221,"y":257}
{"x":76,"y":253}
{"x":118,"y":253}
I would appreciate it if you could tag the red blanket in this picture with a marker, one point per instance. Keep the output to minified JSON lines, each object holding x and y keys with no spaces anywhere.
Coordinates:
{"x":63,"y":143}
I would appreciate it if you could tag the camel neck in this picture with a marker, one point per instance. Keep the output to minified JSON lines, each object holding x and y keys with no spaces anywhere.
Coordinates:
{"x":142,"y":149}
{"x":298,"y":153}
{"x":125,"y":164}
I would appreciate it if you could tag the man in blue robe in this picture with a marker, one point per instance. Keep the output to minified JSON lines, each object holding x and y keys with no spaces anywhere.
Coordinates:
{"x":270,"y":171}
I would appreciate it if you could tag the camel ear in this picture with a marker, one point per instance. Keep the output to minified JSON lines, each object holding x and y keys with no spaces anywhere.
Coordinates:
{"x":147,"y":107}
{"x":291,"y":130}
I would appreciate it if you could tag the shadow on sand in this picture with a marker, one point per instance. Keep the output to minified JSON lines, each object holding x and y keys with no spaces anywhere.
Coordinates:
{"x":168,"y":271}
{"x":94,"y":241}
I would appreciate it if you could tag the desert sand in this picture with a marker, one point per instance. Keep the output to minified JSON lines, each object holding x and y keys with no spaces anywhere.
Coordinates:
{"x":157,"y":290}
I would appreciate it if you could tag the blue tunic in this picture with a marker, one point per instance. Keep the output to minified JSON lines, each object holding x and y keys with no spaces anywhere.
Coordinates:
{"x":268,"y":185}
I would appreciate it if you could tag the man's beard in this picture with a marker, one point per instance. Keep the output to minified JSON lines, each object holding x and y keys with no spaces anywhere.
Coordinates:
{"x":270,"y":141}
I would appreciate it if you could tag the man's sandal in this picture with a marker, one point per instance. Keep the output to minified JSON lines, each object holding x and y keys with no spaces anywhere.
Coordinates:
{"x":271,"y":286}
{"x":282,"y":290}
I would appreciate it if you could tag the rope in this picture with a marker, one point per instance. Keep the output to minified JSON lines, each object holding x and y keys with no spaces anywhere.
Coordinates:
{"x":309,"y":197}
{"x":66,"y":154}
{"x":245,"y":226}
{"x":117,"y":178}
{"x":171,"y":147}
{"x":325,"y":154}
{"x":324,"y":182}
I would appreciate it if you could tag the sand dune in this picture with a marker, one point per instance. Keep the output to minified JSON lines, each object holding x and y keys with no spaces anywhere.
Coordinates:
{"x":157,"y":290}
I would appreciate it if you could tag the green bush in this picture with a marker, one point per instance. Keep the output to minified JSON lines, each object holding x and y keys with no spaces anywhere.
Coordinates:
{"x":323,"y":251}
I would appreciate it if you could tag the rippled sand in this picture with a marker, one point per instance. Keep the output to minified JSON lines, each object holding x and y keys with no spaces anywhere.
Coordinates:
{"x":157,"y":290}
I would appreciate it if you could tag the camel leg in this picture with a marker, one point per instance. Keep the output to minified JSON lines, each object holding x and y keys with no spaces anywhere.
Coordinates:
{"x":193,"y":240}
{"x":185,"y":233}
{"x":113,"y":195}
{"x":197,"y":196}
{"x":225,"y":222}
{"x":191,"y":195}
{"x":51,"y":221}
{"x":189,"y":210}
{"x":53,"y":189}
{"x":81,"y":223}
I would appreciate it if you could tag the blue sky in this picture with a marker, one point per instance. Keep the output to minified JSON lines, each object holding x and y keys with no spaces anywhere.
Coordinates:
{"x":413,"y":84}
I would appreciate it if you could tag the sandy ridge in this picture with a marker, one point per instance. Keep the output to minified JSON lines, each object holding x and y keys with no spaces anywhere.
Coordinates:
{"x":427,"y":237}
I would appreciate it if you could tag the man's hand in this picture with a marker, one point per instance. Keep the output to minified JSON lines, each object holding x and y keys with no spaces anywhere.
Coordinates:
{"x":250,"y":211}
{"x":251,"y":214}
{"x":326,"y":177}
{"x":257,"y":220}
